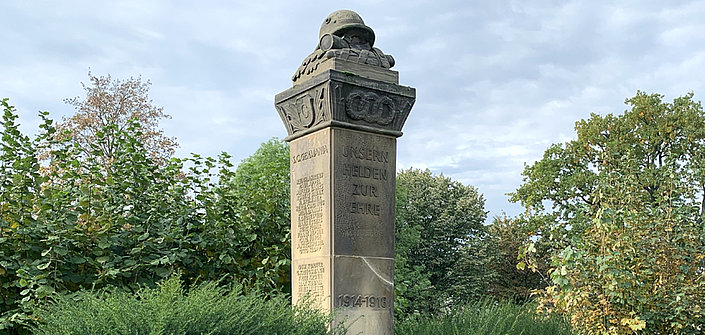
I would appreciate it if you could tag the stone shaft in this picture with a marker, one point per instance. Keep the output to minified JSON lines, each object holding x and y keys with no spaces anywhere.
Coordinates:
{"x":342,"y":225}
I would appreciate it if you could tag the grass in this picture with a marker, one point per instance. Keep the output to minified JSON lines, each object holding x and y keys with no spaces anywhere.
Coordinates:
{"x":485,"y":318}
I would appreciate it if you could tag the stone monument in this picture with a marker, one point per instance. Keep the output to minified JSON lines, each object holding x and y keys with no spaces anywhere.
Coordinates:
{"x":343,"y":115}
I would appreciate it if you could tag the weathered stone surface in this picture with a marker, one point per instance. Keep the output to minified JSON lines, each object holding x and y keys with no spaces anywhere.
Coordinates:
{"x":364,"y":170}
{"x":345,"y":36}
{"x":364,"y":293}
{"x":311,"y":195}
{"x":343,"y":116}
{"x":310,"y":276}
{"x":346,"y":100}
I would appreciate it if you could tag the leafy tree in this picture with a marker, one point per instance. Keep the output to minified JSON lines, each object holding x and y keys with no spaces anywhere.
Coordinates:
{"x":20,"y":182}
{"x":626,"y":218}
{"x":116,"y":102}
{"x":514,"y":281}
{"x":257,"y":197}
{"x":441,"y":242}
{"x":411,"y":282}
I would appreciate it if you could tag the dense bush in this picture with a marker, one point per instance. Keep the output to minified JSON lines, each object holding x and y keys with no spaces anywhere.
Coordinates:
{"x":625,"y":222}
{"x":75,"y":221}
{"x":205,"y":309}
{"x":485,"y":317}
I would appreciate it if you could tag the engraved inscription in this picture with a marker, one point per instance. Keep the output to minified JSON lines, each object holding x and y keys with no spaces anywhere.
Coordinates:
{"x":370,"y":154}
{"x":365,"y":190}
{"x":370,"y":206}
{"x":310,"y":277}
{"x":367,"y":301}
{"x":308,"y":154}
{"x":363,"y":171}
{"x":365,"y":208}
{"x":310,"y":203}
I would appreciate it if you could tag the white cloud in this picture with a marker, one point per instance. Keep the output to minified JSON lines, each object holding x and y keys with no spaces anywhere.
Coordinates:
{"x":497,"y":82}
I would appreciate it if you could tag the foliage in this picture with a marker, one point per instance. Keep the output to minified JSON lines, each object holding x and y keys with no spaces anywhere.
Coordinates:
{"x":257,"y":195}
{"x":514,"y":281}
{"x":204,"y":309}
{"x":626,"y":218}
{"x":82,"y":224}
{"x":411,"y":282}
{"x":442,"y":244}
{"x":116,"y":102}
{"x":485,"y":317}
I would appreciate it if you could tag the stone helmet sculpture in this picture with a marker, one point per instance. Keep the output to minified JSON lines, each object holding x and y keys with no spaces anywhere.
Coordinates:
{"x":344,"y":36}
{"x":344,"y":21}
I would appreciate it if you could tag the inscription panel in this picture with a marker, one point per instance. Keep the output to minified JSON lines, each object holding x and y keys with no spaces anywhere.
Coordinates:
{"x":311,"y":278}
{"x":310,"y":206}
{"x":364,"y":171}
{"x":310,"y":194}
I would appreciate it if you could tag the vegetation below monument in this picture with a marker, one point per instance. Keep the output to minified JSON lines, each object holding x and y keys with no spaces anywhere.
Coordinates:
{"x":212,"y":309}
{"x":172,"y":309}
{"x":484,"y":317}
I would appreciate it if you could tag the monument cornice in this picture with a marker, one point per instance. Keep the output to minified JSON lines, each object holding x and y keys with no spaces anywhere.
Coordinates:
{"x":344,"y":99}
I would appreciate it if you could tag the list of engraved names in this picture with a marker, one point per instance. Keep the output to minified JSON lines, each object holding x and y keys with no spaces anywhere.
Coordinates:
{"x":310,"y":204}
{"x":310,"y":277}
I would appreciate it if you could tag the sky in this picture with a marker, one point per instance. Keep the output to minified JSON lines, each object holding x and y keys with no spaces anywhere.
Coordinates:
{"x":497,"y":82}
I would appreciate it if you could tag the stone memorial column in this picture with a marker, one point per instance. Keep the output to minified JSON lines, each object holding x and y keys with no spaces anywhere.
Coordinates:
{"x":343,"y":115}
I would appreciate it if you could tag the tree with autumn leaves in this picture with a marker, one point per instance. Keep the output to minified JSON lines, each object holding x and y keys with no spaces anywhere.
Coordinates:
{"x":111,"y":106}
{"x":621,"y":211}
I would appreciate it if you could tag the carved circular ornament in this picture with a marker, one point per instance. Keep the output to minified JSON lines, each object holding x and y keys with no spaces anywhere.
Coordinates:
{"x":370,"y":107}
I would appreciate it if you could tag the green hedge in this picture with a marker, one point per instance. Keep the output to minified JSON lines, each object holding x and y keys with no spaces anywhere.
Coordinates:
{"x":169,"y":309}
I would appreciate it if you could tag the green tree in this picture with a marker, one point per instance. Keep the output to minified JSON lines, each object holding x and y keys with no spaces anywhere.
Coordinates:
{"x":626,"y":219}
{"x":514,"y":281}
{"x":442,"y":243}
{"x":257,"y":197}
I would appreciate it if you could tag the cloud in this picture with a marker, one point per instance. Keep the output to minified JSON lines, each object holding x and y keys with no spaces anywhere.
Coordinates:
{"x":497,"y":82}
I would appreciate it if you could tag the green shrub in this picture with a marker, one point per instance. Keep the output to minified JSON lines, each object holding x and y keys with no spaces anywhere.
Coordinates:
{"x":169,"y":309}
{"x":71,"y":221}
{"x":485,"y":318}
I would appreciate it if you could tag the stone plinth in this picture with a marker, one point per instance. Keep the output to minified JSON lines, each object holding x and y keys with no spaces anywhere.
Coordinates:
{"x":342,"y":119}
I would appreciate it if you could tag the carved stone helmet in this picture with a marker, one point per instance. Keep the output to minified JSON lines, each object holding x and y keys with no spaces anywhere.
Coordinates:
{"x":341,"y":21}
